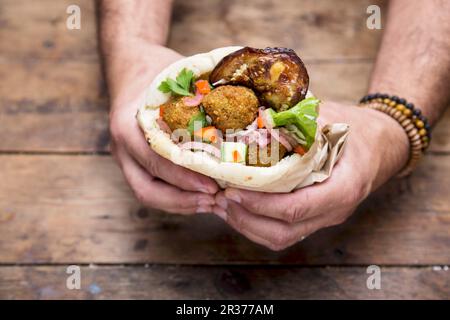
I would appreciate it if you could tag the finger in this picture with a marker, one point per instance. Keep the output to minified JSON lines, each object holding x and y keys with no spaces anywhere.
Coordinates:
{"x":158,"y":194}
{"x":302,"y":204}
{"x":162,"y":168}
{"x":272,"y":233}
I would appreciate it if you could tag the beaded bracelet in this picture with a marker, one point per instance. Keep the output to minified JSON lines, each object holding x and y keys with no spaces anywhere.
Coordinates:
{"x":410,"y":118}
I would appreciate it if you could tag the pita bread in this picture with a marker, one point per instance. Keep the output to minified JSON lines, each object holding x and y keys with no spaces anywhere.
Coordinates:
{"x":290,"y":173}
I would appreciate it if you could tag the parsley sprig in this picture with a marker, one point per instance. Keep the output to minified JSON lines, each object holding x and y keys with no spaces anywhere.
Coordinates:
{"x":181,"y":86}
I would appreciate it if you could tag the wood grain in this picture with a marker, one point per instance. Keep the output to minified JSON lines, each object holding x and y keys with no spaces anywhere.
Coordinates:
{"x":53,"y":97}
{"x":64,"y":209}
{"x":39,"y":32}
{"x":53,"y":106}
{"x":320,"y":30}
{"x":317,"y":30}
{"x":172,"y":282}
{"x":62,"y":106}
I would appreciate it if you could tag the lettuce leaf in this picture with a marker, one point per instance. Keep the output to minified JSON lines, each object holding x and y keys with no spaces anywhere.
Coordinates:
{"x":303,"y":116}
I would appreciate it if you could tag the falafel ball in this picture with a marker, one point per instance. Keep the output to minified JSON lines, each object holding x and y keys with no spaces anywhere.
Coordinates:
{"x":231,"y":107}
{"x":262,"y":157}
{"x":177,"y":115}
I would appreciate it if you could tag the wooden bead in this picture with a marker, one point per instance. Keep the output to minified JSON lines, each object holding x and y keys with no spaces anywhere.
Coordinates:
{"x":416,"y":153}
{"x":383,"y":107}
{"x":401,"y":118}
{"x":413,"y":126}
{"x":407,"y":112}
{"x":397,"y":114}
{"x":406,"y":122}
{"x":392,"y":111}
{"x":412,"y":132}
{"x":415,"y":138}
{"x":400,"y":107}
{"x":409,"y":127}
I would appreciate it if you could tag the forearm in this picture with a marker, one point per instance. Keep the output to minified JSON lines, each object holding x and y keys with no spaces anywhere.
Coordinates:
{"x":414,"y":57}
{"x":123,"y":21}
{"x":128,"y":30}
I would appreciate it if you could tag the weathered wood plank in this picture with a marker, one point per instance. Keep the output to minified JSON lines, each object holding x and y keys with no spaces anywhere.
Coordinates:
{"x":53,"y":106}
{"x":39,"y":31}
{"x":62,"y":106}
{"x":323,"y":29}
{"x":63,"y":209}
{"x":170,"y":282}
{"x":317,"y":30}
{"x":52,"y":84}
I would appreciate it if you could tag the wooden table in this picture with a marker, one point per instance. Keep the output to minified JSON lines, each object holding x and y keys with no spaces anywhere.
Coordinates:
{"x":63,"y":200}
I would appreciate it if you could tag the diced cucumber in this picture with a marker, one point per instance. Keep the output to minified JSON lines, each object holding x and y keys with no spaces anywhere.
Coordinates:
{"x":235,"y":152}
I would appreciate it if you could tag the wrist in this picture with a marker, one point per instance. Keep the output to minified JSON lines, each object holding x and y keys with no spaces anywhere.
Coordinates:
{"x":130,"y":68}
{"x":427,"y":101}
{"x":392,"y":145}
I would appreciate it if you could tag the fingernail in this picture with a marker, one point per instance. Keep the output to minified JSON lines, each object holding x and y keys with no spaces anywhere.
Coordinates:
{"x":218,"y":211}
{"x":204,"y":209}
{"x":206,"y":188}
{"x":233,"y":195}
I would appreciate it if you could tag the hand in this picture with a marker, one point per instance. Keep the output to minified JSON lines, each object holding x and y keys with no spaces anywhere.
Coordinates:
{"x":156,"y":182}
{"x":377,"y":148}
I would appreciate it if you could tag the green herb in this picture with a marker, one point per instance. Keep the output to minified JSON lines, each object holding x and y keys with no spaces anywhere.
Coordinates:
{"x":303,"y":116}
{"x":197,"y":122}
{"x":181,"y":86}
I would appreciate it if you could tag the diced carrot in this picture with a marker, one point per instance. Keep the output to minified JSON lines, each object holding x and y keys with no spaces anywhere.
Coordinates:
{"x":161,"y":111}
{"x":260,"y":122}
{"x":235,"y":156}
{"x":300,"y":150}
{"x":208,"y":134}
{"x":202,"y":86}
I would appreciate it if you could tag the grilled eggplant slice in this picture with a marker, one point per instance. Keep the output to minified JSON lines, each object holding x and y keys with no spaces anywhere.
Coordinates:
{"x":277,"y":75}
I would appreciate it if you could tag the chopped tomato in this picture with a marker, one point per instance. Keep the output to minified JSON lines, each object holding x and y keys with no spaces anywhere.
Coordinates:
{"x":208,"y":134}
{"x":161,"y":111}
{"x":300,"y":150}
{"x":202,"y":86}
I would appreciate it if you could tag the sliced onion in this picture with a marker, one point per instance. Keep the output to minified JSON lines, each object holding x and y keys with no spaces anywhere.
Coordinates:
{"x":267,"y":123}
{"x":253,"y":125}
{"x":163,"y":125}
{"x":263,"y":138}
{"x":243,"y":133}
{"x":277,"y":135}
{"x":260,"y":137}
{"x":200,"y":146}
{"x":288,"y":136}
{"x":193,"y":101}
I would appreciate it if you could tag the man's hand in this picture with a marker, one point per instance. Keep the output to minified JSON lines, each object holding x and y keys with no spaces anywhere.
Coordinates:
{"x":156,"y":182}
{"x":377,"y":148}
